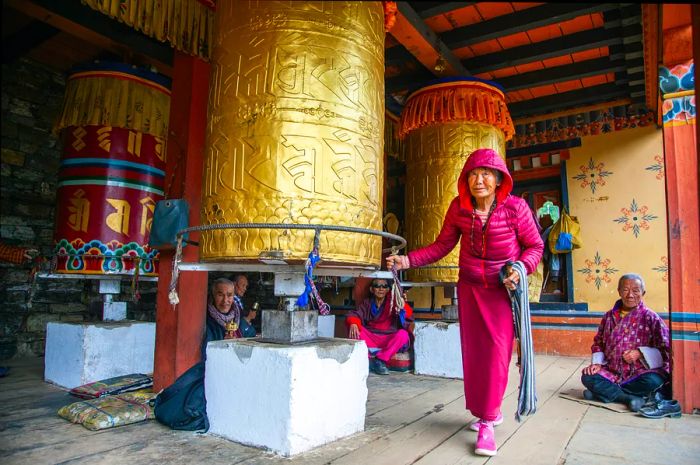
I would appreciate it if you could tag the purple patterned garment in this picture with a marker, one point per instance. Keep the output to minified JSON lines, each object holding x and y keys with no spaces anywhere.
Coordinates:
{"x":641,"y":327}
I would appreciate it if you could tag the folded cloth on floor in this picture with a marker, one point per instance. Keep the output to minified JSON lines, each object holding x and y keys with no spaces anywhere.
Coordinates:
{"x":112,"y":386}
{"x":110,"y":411}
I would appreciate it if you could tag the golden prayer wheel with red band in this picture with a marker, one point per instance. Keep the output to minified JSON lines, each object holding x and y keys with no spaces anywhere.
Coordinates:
{"x":443,"y":123}
{"x":110,"y":177}
{"x":295,"y":131}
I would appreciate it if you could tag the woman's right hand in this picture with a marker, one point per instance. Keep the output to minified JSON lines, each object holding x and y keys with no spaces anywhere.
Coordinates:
{"x":400,"y":261}
{"x":354,"y":332}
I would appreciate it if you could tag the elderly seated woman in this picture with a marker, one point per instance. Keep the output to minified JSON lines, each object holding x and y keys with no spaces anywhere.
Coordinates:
{"x":380,"y":325}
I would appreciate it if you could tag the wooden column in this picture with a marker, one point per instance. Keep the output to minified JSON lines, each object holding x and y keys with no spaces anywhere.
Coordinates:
{"x":681,"y":160}
{"x":180,"y":328}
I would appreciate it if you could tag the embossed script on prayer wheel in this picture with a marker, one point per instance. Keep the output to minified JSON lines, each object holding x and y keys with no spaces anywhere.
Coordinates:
{"x":443,"y":124}
{"x":295,"y":130}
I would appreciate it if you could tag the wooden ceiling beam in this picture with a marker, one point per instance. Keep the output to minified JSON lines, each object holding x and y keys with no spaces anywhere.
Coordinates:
{"x":430,"y":9}
{"x":21,"y":42}
{"x":563,"y":73}
{"x":412,"y":32}
{"x":92,"y":26}
{"x":407,"y":81}
{"x":566,"y":100}
{"x":568,"y":44}
{"x":521,"y":21}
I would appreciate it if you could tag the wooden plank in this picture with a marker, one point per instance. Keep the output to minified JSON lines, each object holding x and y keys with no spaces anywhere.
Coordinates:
{"x":542,"y":440}
{"x":460,"y":447}
{"x":520,"y":21}
{"x":564,"y":100}
{"x":418,"y":438}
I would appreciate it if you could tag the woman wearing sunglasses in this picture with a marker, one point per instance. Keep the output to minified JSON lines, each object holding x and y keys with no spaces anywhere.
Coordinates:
{"x":492,"y":227}
{"x":382,"y":327}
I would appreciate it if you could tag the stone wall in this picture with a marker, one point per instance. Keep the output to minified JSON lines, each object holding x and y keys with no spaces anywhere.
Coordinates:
{"x":31,"y":101}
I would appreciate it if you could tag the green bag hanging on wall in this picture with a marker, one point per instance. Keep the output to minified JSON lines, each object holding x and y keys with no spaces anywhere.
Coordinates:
{"x":565,"y":235}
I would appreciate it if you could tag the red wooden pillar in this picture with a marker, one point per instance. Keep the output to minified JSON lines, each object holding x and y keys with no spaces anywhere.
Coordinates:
{"x":179,"y":329}
{"x":681,"y":159}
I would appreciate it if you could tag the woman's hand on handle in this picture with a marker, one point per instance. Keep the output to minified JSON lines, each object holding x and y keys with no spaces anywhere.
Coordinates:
{"x":400,"y":261}
{"x":511,"y":282}
{"x":354,"y":332}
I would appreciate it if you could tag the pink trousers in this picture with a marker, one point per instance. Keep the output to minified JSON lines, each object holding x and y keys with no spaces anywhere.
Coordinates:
{"x":486,"y":330}
{"x":388,"y":344}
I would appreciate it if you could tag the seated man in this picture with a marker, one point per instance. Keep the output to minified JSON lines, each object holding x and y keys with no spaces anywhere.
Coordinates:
{"x":631,"y":351}
{"x":379,"y":325}
{"x":223,"y":313}
{"x":247,"y":327}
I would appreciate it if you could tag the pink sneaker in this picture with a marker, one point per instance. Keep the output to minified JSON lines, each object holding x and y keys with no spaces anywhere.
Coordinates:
{"x":486,"y":441}
{"x":474,"y":425}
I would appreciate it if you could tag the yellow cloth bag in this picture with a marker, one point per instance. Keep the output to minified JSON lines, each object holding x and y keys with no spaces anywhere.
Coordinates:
{"x":565,"y":235}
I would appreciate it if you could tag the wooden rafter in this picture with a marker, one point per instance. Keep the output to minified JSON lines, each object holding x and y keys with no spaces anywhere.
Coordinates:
{"x":412,"y":32}
{"x":568,"y":44}
{"x":530,"y":18}
{"x":24,"y":40}
{"x":564,"y":100}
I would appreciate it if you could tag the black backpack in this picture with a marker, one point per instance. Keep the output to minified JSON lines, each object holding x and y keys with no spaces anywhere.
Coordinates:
{"x":182,"y":405}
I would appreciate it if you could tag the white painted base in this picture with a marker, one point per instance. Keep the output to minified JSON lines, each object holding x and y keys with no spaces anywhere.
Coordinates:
{"x":286,"y":398}
{"x":114,"y":311}
{"x":438,"y":349}
{"x":326,"y":326}
{"x":81,"y":353}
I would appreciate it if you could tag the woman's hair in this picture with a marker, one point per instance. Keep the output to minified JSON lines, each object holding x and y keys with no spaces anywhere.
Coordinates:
{"x":627,"y":276}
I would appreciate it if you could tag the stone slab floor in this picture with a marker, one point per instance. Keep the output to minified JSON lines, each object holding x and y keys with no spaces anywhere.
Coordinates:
{"x":410,"y":420}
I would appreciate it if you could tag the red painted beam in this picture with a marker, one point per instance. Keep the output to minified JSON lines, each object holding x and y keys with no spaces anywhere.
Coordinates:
{"x":180,"y":328}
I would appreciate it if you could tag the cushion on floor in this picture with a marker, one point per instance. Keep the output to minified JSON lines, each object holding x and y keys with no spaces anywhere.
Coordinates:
{"x":110,"y":411}
{"x":112,"y":386}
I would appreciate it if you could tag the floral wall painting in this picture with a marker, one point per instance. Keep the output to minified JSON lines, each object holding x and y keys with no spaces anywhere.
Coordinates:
{"x":592,"y":175}
{"x":635,"y":218}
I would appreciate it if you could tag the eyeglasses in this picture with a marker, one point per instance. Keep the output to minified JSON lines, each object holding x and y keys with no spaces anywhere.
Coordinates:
{"x":381,"y":286}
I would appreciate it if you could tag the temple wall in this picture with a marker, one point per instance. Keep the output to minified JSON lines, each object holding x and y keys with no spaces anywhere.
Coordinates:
{"x":616,"y":189}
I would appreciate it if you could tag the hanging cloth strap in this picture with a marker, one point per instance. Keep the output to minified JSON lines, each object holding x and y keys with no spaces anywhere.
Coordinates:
{"x":527,"y":397}
{"x":310,"y":292}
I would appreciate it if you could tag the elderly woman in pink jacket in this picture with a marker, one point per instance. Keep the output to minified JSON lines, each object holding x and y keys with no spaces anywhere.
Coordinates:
{"x":492,"y":227}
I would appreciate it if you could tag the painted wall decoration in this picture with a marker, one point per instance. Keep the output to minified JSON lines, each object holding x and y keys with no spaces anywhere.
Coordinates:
{"x":586,"y":123}
{"x":598,"y":270}
{"x":621,"y":218}
{"x":592,"y":175}
{"x":657,"y":167}
{"x":679,"y":80}
{"x":635,"y":218}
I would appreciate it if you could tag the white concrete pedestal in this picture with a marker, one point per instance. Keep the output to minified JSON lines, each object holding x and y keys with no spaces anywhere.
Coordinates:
{"x":286,"y":398}
{"x":81,"y":353}
{"x":326,"y":326}
{"x":437,"y":349}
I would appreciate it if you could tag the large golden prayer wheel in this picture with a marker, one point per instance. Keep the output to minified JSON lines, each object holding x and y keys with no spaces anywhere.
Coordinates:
{"x":295,"y":130}
{"x":443,"y":124}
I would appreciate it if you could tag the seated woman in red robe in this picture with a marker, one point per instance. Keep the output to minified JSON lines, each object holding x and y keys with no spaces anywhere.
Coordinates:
{"x":381,"y":326}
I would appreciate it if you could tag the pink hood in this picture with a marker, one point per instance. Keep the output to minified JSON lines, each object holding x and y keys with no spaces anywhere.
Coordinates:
{"x":483,"y":158}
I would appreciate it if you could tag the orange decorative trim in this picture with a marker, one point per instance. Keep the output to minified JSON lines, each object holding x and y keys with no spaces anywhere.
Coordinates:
{"x":390,"y":12}
{"x":469,"y":101}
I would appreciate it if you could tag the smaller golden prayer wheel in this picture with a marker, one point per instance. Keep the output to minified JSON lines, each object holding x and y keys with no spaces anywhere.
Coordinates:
{"x":442,"y":124}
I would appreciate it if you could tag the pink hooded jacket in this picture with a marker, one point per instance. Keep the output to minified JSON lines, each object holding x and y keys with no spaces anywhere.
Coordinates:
{"x":510,"y":232}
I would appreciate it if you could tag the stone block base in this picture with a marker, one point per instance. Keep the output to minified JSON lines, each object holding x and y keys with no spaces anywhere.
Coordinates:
{"x":438,"y":349}
{"x":286,"y":398}
{"x":81,"y":353}
{"x":289,"y":327}
{"x":326,"y":326}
